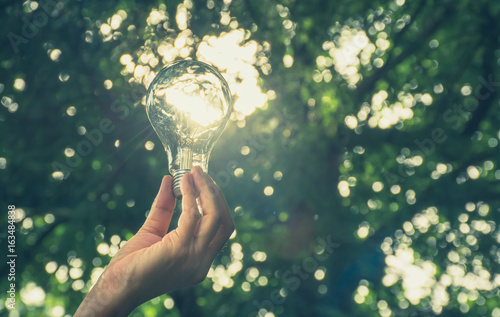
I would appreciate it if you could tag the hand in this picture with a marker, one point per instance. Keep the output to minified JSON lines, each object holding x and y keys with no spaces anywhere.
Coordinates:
{"x":152,"y":262}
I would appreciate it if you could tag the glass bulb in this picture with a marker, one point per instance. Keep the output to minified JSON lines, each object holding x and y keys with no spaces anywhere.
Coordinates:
{"x":188,"y":104}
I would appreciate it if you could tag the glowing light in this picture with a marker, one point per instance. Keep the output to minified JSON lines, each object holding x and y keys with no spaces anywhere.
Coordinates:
{"x":168,"y":303}
{"x":105,"y":29}
{"x":278,"y":175}
{"x":353,"y":48}
{"x":418,"y":280}
{"x":410,"y":196}
{"x":351,"y":122}
{"x":363,"y":290}
{"x":125,"y":59}
{"x":58,"y":175}
{"x":426,"y":99}
{"x":470,"y":207}
{"x":51,"y":267}
{"x":115,"y":239}
{"x":359,"y":299}
{"x":149,"y":145}
{"x":181,"y":17}
{"x":71,"y":111}
{"x":233,"y":235}
{"x":28,"y":223}
{"x":57,"y":311}
{"x":78,"y":285}
{"x":236,"y":61}
{"x":408,"y":228}
{"x":95,"y":274}
{"x":438,"y":88}
{"x":81,"y":130}
{"x":76,"y":262}
{"x":395,"y":189}
{"x":288,"y":61}
{"x":54,"y":54}
{"x":343,"y":187}
{"x":238,"y":172}
{"x":75,"y":273}
{"x":116,"y":21}
{"x":62,"y":274}
{"x":363,"y":231}
{"x":234,"y":268}
{"x":259,"y":256}
{"x":245,"y":286}
{"x":268,"y":191}
{"x":252,"y":274}
{"x":441,"y":168}
{"x":483,"y":210}
{"x":319,"y":274}
{"x":197,"y":109}
{"x":463,"y":218}
{"x":108,"y":84}
{"x":464,"y":228}
{"x":63,"y":77}
{"x":495,"y":312}
{"x":103,"y":248}
{"x":422,"y":221}
{"x":231,"y":52}
{"x":20,"y":214}
{"x":69,"y":152}
{"x":262,"y":281}
{"x":377,"y":186}
{"x":245,"y":150}
{"x":466,"y":90}
{"x":473,"y":172}
{"x":19,"y":84}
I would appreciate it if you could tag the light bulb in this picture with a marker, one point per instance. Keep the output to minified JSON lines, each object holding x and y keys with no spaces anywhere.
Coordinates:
{"x":188,"y":104}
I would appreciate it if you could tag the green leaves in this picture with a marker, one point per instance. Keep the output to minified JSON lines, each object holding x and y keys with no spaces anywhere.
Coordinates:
{"x":377,"y":127}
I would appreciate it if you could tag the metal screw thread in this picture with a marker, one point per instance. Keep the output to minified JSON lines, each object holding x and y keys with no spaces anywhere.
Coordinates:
{"x":176,"y":184}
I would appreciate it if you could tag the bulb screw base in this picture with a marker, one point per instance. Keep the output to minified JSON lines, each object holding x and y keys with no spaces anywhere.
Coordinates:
{"x":176,"y":184}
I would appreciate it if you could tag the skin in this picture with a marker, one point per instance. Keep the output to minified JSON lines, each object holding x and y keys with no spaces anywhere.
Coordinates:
{"x":153,"y":262}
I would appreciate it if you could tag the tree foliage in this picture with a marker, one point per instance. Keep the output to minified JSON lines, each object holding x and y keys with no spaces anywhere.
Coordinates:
{"x":361,"y":162}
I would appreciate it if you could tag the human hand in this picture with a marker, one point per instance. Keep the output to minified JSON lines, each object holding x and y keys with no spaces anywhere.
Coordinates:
{"x":152,"y":262}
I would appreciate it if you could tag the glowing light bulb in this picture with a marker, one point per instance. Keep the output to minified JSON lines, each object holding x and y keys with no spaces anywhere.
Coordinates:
{"x":188,"y":104}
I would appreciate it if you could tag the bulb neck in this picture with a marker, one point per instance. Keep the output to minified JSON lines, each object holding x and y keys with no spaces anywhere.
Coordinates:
{"x":186,"y":158}
{"x":176,"y":184}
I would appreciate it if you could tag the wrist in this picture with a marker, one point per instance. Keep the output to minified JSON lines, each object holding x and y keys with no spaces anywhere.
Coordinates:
{"x":110,"y":296}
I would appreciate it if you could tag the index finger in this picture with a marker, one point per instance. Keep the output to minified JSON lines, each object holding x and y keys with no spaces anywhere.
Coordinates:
{"x":190,"y":214}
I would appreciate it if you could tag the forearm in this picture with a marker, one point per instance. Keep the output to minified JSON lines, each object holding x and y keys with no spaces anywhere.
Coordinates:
{"x":107,"y":298}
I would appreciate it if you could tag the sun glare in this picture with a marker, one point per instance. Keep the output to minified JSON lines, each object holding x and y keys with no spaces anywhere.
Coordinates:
{"x":232,"y":52}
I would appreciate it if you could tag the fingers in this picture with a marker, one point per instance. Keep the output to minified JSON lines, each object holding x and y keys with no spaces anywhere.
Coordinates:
{"x":190,"y":213}
{"x":225,"y":230}
{"x":210,"y":232}
{"x":162,"y":209}
{"x":211,"y":219}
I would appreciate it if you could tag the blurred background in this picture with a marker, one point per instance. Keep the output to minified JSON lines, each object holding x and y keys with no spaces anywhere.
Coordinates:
{"x":360,"y":163}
